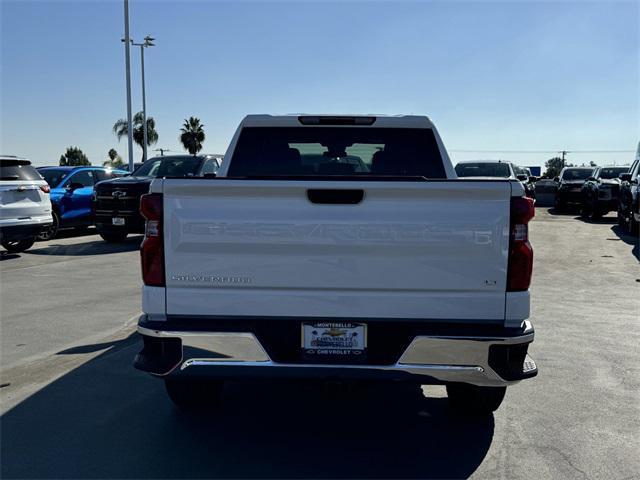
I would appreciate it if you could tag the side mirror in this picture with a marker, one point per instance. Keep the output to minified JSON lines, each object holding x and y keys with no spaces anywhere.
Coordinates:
{"x":522,"y":177}
{"x":625,"y":177}
{"x":556,"y":179}
{"x":591,"y":179}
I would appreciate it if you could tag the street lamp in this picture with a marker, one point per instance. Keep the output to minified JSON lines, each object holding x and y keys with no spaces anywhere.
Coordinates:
{"x":162,"y":150}
{"x":128,"y":77}
{"x":148,"y":42}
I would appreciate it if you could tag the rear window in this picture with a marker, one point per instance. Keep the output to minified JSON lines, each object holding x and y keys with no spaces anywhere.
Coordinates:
{"x":608,"y":173}
{"x":483,"y":169}
{"x":335,"y":151}
{"x":16,"y":170}
{"x":577,"y":174}
{"x":170,"y":167}
{"x":179,"y":167}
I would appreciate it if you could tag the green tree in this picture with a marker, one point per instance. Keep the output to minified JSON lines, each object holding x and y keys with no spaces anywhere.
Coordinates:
{"x":553,"y":167}
{"x":74,"y":157}
{"x":192,"y":135}
{"x":121,"y":129}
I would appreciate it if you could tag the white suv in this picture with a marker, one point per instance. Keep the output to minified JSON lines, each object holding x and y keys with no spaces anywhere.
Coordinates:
{"x":25,"y":207}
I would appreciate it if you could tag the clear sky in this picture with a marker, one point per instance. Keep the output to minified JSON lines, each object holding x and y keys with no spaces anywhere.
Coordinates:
{"x":491,"y":75}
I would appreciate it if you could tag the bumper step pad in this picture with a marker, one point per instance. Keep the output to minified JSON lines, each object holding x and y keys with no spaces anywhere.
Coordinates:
{"x":529,"y":365}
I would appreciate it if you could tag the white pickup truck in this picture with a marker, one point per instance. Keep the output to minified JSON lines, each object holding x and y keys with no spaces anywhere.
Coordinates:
{"x":337,"y":247}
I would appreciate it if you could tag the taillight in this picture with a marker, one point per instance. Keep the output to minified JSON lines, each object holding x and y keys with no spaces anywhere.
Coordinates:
{"x":45,"y":188}
{"x":152,"y":248}
{"x":520,"y":251}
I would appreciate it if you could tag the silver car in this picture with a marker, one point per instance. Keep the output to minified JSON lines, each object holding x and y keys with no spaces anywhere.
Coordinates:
{"x":25,"y":207}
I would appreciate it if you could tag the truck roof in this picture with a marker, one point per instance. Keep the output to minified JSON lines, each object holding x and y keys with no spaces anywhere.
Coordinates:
{"x":308,"y":119}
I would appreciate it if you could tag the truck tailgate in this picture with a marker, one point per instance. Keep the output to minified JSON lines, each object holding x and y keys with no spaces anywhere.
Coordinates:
{"x":419,"y":250}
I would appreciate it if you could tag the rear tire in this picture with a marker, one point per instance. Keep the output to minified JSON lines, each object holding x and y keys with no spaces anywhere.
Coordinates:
{"x":194,"y":394}
{"x":50,"y":232}
{"x":585,"y":211}
{"x":17,"y":246}
{"x":113,"y":237}
{"x":473,"y":400}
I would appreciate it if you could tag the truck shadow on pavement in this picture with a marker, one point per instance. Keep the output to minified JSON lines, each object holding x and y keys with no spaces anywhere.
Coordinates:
{"x":568,"y":212}
{"x":105,"y":419}
{"x":599,"y":221}
{"x":627,"y":238}
{"x":96,"y":247}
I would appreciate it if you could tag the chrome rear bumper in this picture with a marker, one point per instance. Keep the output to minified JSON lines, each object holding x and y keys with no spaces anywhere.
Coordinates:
{"x":427,"y":359}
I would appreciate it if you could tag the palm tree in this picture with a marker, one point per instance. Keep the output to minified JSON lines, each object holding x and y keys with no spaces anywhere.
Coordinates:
{"x":115,"y":160}
{"x":120,"y":128}
{"x":192,"y":135}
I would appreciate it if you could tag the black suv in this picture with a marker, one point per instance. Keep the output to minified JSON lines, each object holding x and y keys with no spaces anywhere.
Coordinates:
{"x":570,"y":183}
{"x":629,"y":198}
{"x":116,"y":203}
{"x":600,"y":191}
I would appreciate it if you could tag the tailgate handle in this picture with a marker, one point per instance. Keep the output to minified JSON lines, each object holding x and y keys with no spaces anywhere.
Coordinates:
{"x":335,"y":196}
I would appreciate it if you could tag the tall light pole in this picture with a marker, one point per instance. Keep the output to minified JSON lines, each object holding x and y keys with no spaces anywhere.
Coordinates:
{"x":128,"y":74}
{"x":148,"y":42}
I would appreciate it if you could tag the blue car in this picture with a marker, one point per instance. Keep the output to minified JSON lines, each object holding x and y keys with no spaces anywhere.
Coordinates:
{"x":72,"y":194}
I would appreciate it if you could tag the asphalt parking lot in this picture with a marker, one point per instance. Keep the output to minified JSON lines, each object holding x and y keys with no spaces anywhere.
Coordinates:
{"x":73,"y":406}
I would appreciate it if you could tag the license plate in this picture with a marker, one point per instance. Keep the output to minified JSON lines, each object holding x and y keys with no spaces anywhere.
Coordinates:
{"x":117,"y":221}
{"x":334,"y":338}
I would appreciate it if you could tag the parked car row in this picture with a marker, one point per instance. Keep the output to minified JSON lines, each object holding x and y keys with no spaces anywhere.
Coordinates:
{"x":38,"y":203}
{"x":596,"y":191}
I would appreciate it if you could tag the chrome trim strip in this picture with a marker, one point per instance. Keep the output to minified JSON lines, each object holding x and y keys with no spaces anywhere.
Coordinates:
{"x":109,"y":212}
{"x":19,"y":188}
{"x":110,"y":197}
{"x":451,"y":373}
